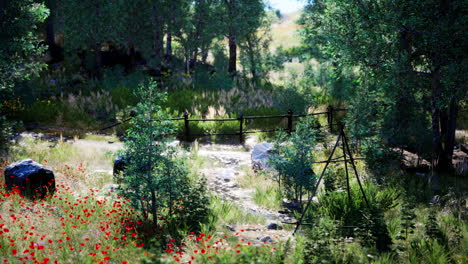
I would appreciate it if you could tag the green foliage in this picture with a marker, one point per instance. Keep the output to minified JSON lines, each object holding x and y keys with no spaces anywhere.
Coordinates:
{"x":156,"y":180}
{"x":291,"y":98}
{"x":294,"y":160}
{"x":432,"y":228}
{"x":225,"y":212}
{"x":268,"y":197}
{"x":193,"y":209}
{"x":19,"y":47}
{"x":405,"y":68}
{"x":18,"y":43}
{"x":379,"y":158}
{"x":356,"y":217}
{"x":428,"y":251}
{"x":407,"y":222}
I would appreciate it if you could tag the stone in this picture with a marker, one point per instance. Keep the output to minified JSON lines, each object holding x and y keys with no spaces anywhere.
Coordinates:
{"x":227,"y":175}
{"x":119,"y":165}
{"x":261,"y":155}
{"x":231,"y":228}
{"x":266,"y":239}
{"x":435,"y":199}
{"x":33,"y":179}
{"x":274,"y":226}
{"x":232,"y":185}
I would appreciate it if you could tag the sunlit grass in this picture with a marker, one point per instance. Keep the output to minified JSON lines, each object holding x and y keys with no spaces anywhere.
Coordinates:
{"x":229,"y":213}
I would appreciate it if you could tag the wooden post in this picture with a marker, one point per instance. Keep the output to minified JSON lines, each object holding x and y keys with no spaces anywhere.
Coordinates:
{"x":330,"y":117}
{"x":345,"y":142}
{"x":299,"y":222}
{"x":241,"y":123}
{"x":187,"y":128}
{"x":345,"y":163}
{"x":290,"y":121}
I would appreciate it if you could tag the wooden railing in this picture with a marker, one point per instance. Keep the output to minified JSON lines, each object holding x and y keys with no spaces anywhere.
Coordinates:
{"x":241,"y":119}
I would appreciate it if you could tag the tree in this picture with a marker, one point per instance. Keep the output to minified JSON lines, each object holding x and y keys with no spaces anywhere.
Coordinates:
{"x":294,"y":160}
{"x":410,"y":56}
{"x":239,"y":18}
{"x":155,"y":176}
{"x":255,"y":54}
{"x":87,"y":25}
{"x":20,"y":48}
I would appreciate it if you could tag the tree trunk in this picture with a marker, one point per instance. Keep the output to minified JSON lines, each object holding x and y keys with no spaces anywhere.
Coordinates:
{"x":443,"y":126}
{"x":157,"y":39}
{"x":50,"y":32}
{"x":204,"y":55}
{"x":435,"y":114}
{"x":132,"y":57}
{"x":448,"y":120}
{"x":97,"y":60}
{"x":251,"y":51}
{"x":168,"y":55}
{"x":232,"y":68}
{"x":153,"y":208}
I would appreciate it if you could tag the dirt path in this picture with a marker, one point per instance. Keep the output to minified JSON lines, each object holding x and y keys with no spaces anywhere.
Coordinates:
{"x":225,"y":167}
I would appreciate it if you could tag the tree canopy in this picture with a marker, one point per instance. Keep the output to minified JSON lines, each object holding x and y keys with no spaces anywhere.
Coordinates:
{"x":409,"y":59}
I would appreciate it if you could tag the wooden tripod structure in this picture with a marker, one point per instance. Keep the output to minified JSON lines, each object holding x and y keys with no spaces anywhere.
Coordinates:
{"x":346,"y":151}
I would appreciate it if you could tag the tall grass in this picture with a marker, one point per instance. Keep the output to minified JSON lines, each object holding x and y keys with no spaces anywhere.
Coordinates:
{"x":226,"y":212}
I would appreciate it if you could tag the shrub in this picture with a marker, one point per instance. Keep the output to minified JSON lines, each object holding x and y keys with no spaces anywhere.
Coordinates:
{"x":294,"y":160}
{"x":156,"y":179}
{"x":366,"y":222}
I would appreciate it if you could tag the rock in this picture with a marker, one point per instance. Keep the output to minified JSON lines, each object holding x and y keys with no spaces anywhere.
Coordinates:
{"x":30,"y":177}
{"x":232,"y":185}
{"x":119,"y":165}
{"x":435,"y":199}
{"x":460,"y":162}
{"x":231,"y":228}
{"x":292,"y":205}
{"x":227,"y":175}
{"x":274,"y":226}
{"x":266,"y":239}
{"x":261,"y":155}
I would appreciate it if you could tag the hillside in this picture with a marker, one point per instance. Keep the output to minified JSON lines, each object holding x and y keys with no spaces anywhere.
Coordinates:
{"x":285,"y":33}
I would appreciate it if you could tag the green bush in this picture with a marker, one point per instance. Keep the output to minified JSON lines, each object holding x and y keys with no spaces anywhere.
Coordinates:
{"x":366,"y":222}
{"x":156,"y":180}
{"x":294,"y":158}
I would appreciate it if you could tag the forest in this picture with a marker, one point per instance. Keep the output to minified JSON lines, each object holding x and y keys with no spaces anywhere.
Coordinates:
{"x":229,"y":131}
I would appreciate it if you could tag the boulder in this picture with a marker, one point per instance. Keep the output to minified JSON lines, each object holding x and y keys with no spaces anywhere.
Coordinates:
{"x":31,"y":178}
{"x":266,"y":239}
{"x":274,"y":226}
{"x":261,"y":155}
{"x":119,"y":165}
